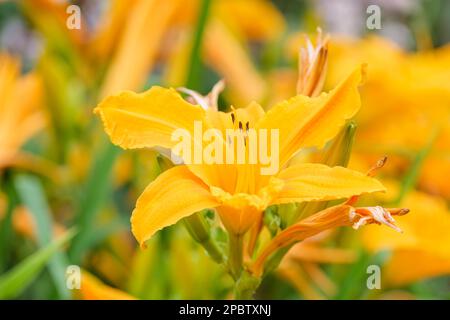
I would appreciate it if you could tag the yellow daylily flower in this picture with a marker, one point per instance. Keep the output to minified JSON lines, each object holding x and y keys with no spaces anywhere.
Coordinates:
{"x":238,"y":192}
{"x":21,"y":115}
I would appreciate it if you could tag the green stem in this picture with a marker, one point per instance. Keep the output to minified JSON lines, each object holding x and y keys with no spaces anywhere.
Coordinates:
{"x":95,"y":194}
{"x":412,"y":176}
{"x":246,"y":286}
{"x":194,"y":74}
{"x":199,"y":230}
{"x":6,"y":236}
{"x":235,"y":255}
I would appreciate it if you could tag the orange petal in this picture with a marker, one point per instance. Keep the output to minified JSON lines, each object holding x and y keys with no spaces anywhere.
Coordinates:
{"x":93,"y":289}
{"x":148,"y":119}
{"x":311,"y":122}
{"x":313,"y":181}
{"x":175,"y":194}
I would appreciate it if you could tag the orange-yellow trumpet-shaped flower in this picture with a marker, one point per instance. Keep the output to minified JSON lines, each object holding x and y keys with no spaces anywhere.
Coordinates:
{"x":21,"y":115}
{"x":239,"y":192}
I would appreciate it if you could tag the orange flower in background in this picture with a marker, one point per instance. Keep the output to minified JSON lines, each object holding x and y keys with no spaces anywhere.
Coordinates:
{"x":423,"y":250}
{"x":21,"y":115}
{"x":407,"y":105}
{"x":92,"y":288}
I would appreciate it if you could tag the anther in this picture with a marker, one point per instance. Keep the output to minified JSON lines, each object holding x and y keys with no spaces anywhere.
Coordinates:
{"x":232,"y":117}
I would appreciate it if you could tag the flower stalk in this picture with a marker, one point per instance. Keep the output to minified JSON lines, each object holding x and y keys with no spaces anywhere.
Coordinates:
{"x":235,"y":254}
{"x":199,"y":230}
{"x":246,"y":286}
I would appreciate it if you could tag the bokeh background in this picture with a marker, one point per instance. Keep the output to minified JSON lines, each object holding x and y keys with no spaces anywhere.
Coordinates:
{"x":66,"y":194}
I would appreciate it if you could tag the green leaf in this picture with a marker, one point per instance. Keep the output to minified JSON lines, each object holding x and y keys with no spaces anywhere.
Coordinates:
{"x":195,"y":74}
{"x":30,"y":192}
{"x":15,"y":281}
{"x":411,"y":177}
{"x":94,"y":195}
{"x":6,"y":234}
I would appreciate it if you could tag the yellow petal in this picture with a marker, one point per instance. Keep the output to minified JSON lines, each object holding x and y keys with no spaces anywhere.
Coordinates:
{"x":223,"y":120}
{"x":148,"y":119}
{"x":311,"y":122}
{"x":175,"y":194}
{"x":93,"y":289}
{"x":313,"y":181}
{"x":238,"y":212}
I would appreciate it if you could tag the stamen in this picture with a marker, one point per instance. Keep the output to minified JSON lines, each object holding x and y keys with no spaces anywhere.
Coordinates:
{"x":380,"y":164}
{"x":247,"y":126}
{"x":371,"y":173}
{"x":398,"y":211}
{"x":240,"y":125}
{"x":233,"y":117}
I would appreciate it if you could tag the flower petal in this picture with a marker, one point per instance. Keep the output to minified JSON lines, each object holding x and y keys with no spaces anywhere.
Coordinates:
{"x":311,"y":122}
{"x":313,"y":181}
{"x":175,"y":194}
{"x":148,"y":119}
{"x":93,"y":289}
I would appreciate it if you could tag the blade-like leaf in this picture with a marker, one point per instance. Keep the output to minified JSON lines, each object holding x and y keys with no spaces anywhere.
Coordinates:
{"x":30,"y":192}
{"x":94,"y":196}
{"x":17,"y":279}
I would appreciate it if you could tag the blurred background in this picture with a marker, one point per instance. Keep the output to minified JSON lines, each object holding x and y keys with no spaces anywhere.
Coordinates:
{"x":66,"y":194}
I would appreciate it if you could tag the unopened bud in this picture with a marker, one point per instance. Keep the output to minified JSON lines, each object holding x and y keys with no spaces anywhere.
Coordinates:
{"x":312,"y":66}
